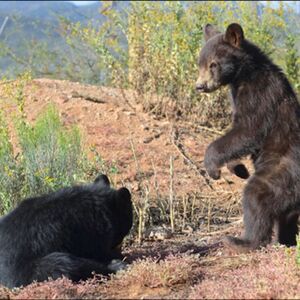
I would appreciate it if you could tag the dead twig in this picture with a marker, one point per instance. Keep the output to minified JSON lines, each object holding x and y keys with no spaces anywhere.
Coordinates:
{"x":88,"y":97}
{"x":217,"y":232}
{"x":180,"y":149}
{"x":211,"y":130}
{"x":171,"y":204}
{"x":204,"y":128}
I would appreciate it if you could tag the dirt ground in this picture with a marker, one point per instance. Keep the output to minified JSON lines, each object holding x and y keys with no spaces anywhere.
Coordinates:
{"x":113,"y":122}
{"x":190,"y":264}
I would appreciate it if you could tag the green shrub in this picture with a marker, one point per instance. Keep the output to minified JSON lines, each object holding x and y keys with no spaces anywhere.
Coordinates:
{"x":50,"y":154}
{"x":10,"y":177}
{"x":47,"y":155}
{"x":96,"y":165}
{"x":292,"y":61}
{"x":50,"y":157}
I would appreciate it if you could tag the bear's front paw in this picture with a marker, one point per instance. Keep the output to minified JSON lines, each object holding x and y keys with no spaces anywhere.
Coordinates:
{"x":214,"y":173}
{"x":117,"y":265}
{"x":211,"y":163}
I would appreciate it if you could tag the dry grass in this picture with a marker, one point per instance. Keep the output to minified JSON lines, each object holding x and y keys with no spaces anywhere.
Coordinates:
{"x":267,"y":274}
{"x":149,"y":277}
{"x":58,"y":289}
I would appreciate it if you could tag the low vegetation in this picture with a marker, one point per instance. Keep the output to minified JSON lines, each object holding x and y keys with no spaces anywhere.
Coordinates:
{"x":48,"y":155}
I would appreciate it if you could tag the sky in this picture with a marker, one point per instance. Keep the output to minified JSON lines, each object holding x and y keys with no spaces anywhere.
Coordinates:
{"x":274,"y":3}
{"x":82,"y":2}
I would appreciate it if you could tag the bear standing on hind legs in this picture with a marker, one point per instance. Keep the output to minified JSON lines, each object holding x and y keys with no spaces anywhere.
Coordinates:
{"x":266,"y":125}
{"x":72,"y":232}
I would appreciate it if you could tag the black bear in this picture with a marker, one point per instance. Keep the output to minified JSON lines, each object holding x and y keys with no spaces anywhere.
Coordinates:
{"x":266,"y":125}
{"x":72,"y":232}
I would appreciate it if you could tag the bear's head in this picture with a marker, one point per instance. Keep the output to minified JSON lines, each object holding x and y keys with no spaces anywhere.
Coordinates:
{"x":120,"y":205}
{"x":220,"y":57}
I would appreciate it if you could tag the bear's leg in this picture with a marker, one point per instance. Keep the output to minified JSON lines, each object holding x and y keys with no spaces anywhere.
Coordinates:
{"x":258,"y":217}
{"x":59,"y":264}
{"x":287,"y":229}
{"x":115,"y":254}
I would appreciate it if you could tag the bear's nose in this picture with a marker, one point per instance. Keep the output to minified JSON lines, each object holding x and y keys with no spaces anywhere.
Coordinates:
{"x":200,"y":86}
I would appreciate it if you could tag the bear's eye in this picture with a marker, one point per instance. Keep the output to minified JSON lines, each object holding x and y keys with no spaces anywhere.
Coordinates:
{"x":213,"y":65}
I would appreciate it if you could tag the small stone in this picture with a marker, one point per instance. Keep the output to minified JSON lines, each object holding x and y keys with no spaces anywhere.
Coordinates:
{"x":148,"y":140}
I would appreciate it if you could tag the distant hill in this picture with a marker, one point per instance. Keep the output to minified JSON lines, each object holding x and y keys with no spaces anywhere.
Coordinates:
{"x":38,"y":21}
{"x":48,"y":10}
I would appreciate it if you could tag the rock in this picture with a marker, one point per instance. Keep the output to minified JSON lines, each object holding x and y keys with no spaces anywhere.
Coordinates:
{"x":158,"y":233}
{"x":148,"y":140}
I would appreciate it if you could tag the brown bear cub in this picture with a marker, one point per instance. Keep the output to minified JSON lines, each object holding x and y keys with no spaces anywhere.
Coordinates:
{"x":266,"y":125}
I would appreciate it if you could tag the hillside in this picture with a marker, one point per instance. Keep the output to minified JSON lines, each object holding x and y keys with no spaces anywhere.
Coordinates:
{"x":33,"y":26}
{"x":192,"y":262}
{"x":50,"y":10}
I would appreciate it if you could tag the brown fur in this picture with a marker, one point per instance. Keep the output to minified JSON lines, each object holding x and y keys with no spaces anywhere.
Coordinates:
{"x":266,"y":125}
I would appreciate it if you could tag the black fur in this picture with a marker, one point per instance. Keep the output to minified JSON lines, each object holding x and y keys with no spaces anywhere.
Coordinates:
{"x":71,"y":232}
{"x":266,"y":125}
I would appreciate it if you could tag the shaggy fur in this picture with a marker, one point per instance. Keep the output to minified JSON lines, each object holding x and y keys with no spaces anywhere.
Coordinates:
{"x":266,"y":125}
{"x":71,"y":232}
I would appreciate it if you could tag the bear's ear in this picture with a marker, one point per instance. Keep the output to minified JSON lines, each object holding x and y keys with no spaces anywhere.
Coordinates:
{"x":124,"y":194}
{"x":102,"y":180}
{"x":234,"y":35}
{"x":209,"y":31}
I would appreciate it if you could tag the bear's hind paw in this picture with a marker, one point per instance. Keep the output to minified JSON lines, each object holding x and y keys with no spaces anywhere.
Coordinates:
{"x":237,"y":244}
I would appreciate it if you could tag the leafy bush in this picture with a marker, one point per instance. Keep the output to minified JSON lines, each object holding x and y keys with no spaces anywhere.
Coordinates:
{"x":163,"y":40}
{"x":10,"y":177}
{"x":47,"y":155}
{"x":292,"y":61}
{"x":51,"y":155}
